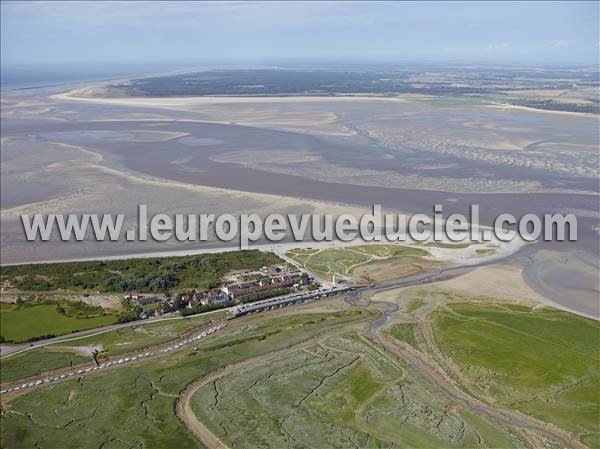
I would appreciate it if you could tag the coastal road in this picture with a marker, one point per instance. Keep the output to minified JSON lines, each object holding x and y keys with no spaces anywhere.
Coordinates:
{"x":412,"y":280}
{"x":16,"y":349}
{"x":425,"y":367}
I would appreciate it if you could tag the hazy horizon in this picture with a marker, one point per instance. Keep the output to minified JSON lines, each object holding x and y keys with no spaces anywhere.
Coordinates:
{"x":189,"y":34}
{"x":39,"y":75}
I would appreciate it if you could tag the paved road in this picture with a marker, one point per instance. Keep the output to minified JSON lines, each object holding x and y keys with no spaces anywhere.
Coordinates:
{"x":20,"y":385}
{"x":11,"y":350}
{"x":412,"y":358}
{"x":8,"y":350}
{"x":440,"y":378}
{"x":391,"y":307}
{"x":412,"y":280}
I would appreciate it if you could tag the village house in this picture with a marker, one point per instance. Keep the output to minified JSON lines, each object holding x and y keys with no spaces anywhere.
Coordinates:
{"x":144,"y":299}
{"x":217,"y":296}
{"x":264,"y":284}
{"x":149,"y":300}
{"x":213,"y":296}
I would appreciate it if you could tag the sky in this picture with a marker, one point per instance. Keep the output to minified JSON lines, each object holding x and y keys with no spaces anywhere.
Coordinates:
{"x":129,"y":33}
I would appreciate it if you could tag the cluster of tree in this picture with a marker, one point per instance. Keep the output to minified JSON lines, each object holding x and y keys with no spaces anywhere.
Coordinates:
{"x":43,"y":337}
{"x":591,"y":108}
{"x":285,"y":82}
{"x":30,"y":340}
{"x":79,"y":309}
{"x":150,"y":275}
{"x":206,"y":308}
{"x":128,"y":316}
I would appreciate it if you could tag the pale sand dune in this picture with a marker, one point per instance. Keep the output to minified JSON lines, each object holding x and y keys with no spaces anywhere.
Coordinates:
{"x":508,"y":107}
{"x":83,"y":95}
{"x":506,"y":281}
{"x":489,"y":282}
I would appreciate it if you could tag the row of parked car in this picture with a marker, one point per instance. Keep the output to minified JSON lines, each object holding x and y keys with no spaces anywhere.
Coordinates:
{"x":116,"y":362}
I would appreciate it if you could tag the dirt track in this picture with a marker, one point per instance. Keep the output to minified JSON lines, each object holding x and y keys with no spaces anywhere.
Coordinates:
{"x":184,"y":411}
{"x":429,"y":369}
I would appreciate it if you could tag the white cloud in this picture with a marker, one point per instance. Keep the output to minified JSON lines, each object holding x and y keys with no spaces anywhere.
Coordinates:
{"x":558,"y":44}
{"x":502,"y":46}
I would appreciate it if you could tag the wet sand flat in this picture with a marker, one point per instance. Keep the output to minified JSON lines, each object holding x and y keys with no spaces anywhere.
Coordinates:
{"x":301,"y":156}
{"x":190,"y":159}
{"x":569,"y":279}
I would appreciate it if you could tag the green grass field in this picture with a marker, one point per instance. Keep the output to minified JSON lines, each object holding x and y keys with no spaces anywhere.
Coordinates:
{"x":391,"y":250}
{"x":332,"y":261}
{"x":132,"y":406}
{"x":34,"y":362}
{"x":128,"y":339}
{"x":21,"y":322}
{"x":144,"y":335}
{"x":405,"y":332}
{"x":342,"y":393}
{"x":543,"y":362}
{"x":343,"y":260}
{"x":485,"y":251}
{"x":414,"y":304}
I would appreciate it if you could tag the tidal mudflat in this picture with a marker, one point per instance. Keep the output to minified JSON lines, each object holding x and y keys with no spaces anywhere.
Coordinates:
{"x":506,"y":161}
{"x":215,"y":155}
